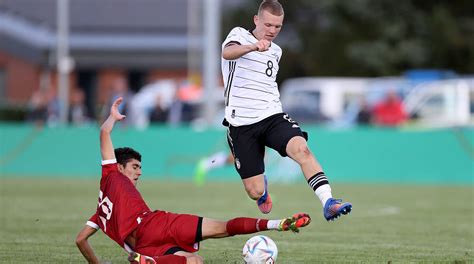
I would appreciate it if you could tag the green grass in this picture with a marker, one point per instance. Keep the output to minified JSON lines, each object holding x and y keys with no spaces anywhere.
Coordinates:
{"x":39,"y":219}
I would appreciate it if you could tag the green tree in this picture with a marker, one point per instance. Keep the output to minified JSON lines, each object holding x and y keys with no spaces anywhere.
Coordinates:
{"x":370,"y":37}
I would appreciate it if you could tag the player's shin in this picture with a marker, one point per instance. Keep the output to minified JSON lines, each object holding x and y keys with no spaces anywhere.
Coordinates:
{"x":320,"y":185}
{"x":245,"y":225}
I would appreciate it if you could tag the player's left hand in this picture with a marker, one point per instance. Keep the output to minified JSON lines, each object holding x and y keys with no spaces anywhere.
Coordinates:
{"x":114,"y":112}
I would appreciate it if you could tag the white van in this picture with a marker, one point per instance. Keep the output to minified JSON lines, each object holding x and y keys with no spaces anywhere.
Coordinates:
{"x":442,"y":103}
{"x":312,"y":99}
{"x":433,"y":103}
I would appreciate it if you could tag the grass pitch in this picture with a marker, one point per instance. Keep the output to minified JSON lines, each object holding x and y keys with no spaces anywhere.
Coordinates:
{"x":40,"y":218}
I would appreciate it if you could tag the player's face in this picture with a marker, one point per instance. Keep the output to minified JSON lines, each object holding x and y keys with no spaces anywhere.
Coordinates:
{"x":133,"y":170}
{"x":267,"y":26}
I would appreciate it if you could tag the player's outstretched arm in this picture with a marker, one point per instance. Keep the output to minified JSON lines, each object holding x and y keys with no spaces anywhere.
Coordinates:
{"x":106,"y":146}
{"x":84,"y":246}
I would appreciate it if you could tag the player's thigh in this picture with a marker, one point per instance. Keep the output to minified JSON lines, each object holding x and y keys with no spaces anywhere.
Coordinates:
{"x":281,"y":131}
{"x":212,"y":228}
{"x":185,"y":229}
{"x":248,"y":150}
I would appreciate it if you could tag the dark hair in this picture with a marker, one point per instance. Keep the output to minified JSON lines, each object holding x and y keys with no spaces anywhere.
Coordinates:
{"x":272,"y":6}
{"x":124,"y":155}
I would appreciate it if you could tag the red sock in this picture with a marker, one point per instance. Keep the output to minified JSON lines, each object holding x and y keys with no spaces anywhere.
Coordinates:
{"x":170,"y":259}
{"x":245,"y":225}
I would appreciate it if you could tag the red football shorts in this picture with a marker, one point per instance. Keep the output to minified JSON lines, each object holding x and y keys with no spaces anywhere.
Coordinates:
{"x":163,"y":233}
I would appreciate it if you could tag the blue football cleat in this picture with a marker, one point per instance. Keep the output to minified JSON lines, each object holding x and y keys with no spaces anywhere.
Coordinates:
{"x":335,"y":208}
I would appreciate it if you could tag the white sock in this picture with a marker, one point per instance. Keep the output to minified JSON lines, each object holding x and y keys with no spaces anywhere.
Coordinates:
{"x":273,"y":224}
{"x":320,"y":185}
{"x":324,"y":193}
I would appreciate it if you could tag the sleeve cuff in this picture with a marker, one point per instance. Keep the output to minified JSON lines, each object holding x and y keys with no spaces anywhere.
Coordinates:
{"x":231,"y":43}
{"x":110,"y":161}
{"x":92,"y":224}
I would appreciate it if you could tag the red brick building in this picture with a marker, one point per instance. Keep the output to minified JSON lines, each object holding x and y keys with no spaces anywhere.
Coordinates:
{"x":142,"y":40}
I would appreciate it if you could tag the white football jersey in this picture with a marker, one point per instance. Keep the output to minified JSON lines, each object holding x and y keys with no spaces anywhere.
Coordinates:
{"x":251,"y":92}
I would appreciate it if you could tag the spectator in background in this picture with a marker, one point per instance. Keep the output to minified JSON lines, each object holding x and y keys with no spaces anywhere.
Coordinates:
{"x":77,"y":110}
{"x":183,"y":108}
{"x":364,"y":116}
{"x":175,"y":110}
{"x":390,"y":111}
{"x":37,"y":108}
{"x":119,"y":88}
{"x":44,"y":107}
{"x":53,"y":106}
{"x":159,"y":113}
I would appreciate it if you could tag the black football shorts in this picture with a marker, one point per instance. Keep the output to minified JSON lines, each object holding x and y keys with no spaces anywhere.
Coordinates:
{"x":247,"y":143}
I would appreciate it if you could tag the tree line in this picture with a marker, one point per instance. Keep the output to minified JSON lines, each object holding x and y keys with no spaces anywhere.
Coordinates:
{"x":369,"y":37}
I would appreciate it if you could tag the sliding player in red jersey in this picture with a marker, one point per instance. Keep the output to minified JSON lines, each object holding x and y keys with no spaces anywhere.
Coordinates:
{"x":155,"y":236}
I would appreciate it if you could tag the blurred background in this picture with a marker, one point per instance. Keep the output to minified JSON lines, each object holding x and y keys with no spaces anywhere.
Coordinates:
{"x":390,"y":81}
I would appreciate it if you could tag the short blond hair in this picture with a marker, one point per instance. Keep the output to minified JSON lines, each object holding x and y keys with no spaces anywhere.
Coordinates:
{"x":272,"y":6}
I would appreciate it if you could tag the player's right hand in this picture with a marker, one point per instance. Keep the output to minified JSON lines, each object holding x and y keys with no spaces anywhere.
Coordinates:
{"x":114,"y":112}
{"x":262,"y":45}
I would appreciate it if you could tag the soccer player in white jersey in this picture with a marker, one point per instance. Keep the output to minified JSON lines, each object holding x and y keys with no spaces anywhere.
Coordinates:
{"x":254,"y":114}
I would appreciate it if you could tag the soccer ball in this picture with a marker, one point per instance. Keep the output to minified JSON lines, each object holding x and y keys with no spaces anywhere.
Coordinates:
{"x":260,"y":250}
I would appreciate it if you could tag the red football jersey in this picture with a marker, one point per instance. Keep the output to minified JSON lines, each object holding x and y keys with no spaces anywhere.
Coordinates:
{"x":120,"y":206}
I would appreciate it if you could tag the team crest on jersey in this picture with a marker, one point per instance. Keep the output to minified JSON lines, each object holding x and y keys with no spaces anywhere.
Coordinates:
{"x":237,"y":163}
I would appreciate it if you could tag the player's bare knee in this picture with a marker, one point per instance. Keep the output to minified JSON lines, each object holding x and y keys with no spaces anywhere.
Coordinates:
{"x":254,"y":193}
{"x":304,"y":151}
{"x":297,"y":146}
{"x":302,"y":154}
